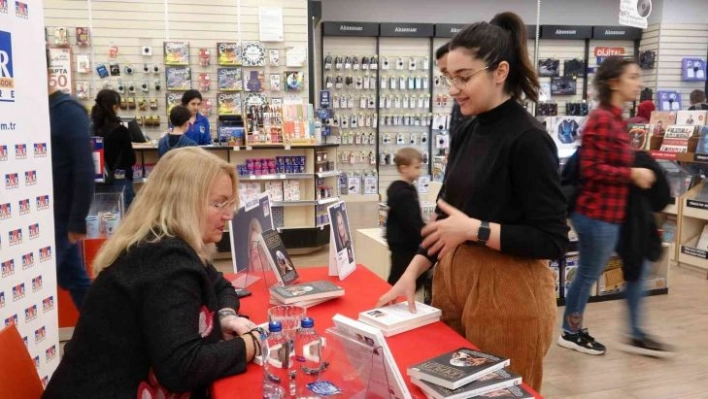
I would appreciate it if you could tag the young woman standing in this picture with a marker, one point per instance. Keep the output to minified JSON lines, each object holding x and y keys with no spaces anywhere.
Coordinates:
{"x":501,"y":211}
{"x":199,"y":129}
{"x":606,"y":174}
{"x":118,"y":149}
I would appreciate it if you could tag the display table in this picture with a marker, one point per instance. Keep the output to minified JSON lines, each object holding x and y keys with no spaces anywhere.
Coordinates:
{"x":371,"y":249}
{"x":362,"y":289}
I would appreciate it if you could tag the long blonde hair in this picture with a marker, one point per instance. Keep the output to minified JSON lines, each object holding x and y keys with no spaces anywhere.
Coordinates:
{"x":173,"y":203}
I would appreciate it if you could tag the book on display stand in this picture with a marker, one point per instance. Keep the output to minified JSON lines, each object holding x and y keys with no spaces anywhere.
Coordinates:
{"x":250,"y":260}
{"x":341,"y":254}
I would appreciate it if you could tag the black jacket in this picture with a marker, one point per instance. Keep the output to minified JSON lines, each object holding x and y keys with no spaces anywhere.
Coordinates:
{"x":72,"y":163}
{"x":639,"y":235}
{"x":405,"y":219}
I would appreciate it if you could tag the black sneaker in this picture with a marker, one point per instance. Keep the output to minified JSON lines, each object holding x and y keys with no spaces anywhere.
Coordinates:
{"x":581,"y":342}
{"x":648,"y":347}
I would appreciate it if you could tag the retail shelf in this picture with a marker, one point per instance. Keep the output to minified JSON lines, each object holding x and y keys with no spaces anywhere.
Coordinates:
{"x":323,"y":201}
{"x":278,"y":176}
{"x":319,"y":227}
{"x":696,"y":213}
{"x":360,"y":198}
{"x":331,"y":173}
{"x":671,"y":209}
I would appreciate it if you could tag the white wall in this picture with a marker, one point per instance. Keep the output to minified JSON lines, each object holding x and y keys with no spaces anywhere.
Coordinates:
{"x":595,"y":12}
{"x":684,"y":12}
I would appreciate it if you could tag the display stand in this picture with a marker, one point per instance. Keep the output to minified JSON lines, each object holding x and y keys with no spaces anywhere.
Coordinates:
{"x":356,"y":368}
{"x":341,"y":248}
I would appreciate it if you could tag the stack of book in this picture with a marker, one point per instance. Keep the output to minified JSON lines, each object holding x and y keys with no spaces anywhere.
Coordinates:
{"x":306,"y":294}
{"x":467,"y":373}
{"x":396,"y":319}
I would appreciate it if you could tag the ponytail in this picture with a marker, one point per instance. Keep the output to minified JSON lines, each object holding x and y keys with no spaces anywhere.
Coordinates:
{"x":502,"y":39}
{"x":102,"y":114}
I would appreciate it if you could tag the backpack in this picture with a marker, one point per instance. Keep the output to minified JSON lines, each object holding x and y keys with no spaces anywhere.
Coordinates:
{"x":570,"y":180}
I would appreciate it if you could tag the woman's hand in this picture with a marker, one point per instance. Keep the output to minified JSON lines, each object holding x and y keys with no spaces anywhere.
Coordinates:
{"x":232,"y":326}
{"x":405,"y":286}
{"x":442,"y":237}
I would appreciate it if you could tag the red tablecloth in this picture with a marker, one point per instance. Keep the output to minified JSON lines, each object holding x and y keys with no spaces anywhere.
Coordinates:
{"x":362,"y":289}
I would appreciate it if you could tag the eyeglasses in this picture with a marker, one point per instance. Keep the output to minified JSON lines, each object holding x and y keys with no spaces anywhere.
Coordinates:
{"x":223,"y":206}
{"x":461,"y":81}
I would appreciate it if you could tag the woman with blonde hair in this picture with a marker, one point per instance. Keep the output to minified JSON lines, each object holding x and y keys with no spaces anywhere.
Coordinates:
{"x":159,"y":319}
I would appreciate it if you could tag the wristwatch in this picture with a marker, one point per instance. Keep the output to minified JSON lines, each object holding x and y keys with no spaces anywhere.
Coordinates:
{"x":483,"y":233}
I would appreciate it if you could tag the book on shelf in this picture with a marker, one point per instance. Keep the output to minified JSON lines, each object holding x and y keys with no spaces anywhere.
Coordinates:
{"x":702,"y":146}
{"x":696,"y":118}
{"x":306,"y":291}
{"x":661,"y":120}
{"x":278,"y":258}
{"x":457,"y":368}
{"x":703,"y":240}
{"x":668,"y":229}
{"x":640,"y":136}
{"x":495,"y":381}
{"x":395,"y":319}
{"x":676,"y":138}
{"x":385,"y":379}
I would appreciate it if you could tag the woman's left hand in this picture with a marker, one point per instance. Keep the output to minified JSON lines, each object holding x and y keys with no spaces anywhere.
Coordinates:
{"x":443,"y":236}
{"x":232,"y":326}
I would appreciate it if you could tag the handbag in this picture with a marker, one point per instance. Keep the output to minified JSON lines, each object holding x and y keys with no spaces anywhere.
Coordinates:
{"x":570,"y":180}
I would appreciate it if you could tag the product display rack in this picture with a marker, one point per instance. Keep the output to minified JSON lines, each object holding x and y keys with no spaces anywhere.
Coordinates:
{"x":350,"y":72}
{"x":302,"y":223}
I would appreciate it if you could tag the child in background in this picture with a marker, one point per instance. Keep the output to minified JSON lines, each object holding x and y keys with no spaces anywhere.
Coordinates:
{"x":405,"y":219}
{"x":179,"y":119}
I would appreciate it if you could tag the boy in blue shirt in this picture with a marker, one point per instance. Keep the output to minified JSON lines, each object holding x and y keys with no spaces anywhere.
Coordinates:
{"x":199,"y":129}
{"x":179,"y":119}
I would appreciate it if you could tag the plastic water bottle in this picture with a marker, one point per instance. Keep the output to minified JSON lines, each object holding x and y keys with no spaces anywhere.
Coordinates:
{"x":278,"y":367}
{"x":308,"y":357}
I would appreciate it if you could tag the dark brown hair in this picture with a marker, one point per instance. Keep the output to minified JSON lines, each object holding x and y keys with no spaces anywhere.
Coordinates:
{"x":610,"y":69}
{"x":179,"y":115}
{"x":442,"y":51}
{"x":697,"y":97}
{"x":502,"y":39}
{"x":103,"y":115}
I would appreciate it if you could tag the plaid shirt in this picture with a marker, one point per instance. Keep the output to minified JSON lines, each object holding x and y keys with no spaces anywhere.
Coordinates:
{"x":605,"y":166}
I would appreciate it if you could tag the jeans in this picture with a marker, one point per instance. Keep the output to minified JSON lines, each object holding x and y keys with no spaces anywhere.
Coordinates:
{"x":71,"y":272}
{"x":596,"y":243}
{"x":128,"y":191}
{"x":634,"y":291}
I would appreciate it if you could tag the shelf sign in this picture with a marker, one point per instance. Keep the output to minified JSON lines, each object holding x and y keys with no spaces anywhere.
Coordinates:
{"x":448,"y":30}
{"x":350,"y":29}
{"x":407,"y":30}
{"x":616,"y":33}
{"x":566,"y":32}
{"x":603,"y":52}
{"x":697,"y":204}
{"x":700,"y":157}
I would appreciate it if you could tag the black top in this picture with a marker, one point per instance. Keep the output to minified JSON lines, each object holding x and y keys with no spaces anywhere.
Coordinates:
{"x":405,"y":220}
{"x":118,"y":150}
{"x":503,"y":168}
{"x":72,"y":163}
{"x":699,"y":107}
{"x":154,"y":310}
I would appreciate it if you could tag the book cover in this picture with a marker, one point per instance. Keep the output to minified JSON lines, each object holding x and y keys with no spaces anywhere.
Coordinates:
{"x":278,"y":257}
{"x":229,"y":104}
{"x":172,"y":100}
{"x":661,"y":120}
{"x":396,"y":315}
{"x":275,"y":190}
{"x":694,"y":118}
{"x":275,"y":82}
{"x":229,"y":54}
{"x":668,"y":229}
{"x":176,"y":53}
{"x":702,"y":147}
{"x":178,"y":78}
{"x":294,"y":81}
{"x":511,"y":392}
{"x":82,"y":36}
{"x":253,"y":54}
{"x":640,"y":136}
{"x":385,"y":378}
{"x":230,"y":79}
{"x":491,"y":382}
{"x":254,"y":81}
{"x":252,"y":218}
{"x":457,"y":368}
{"x":306,"y":291}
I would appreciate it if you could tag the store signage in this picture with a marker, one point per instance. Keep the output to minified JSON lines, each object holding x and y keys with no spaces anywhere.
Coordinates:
{"x":350,"y":29}
{"x":60,"y":69}
{"x":616,"y":33}
{"x":603,"y":52}
{"x":531,"y":32}
{"x":635,"y":13}
{"x":448,"y":30}
{"x":566,"y":32}
{"x":407,"y":30}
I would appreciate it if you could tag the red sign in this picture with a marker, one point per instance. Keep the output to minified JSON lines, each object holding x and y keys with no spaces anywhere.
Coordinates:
{"x":608,"y":51}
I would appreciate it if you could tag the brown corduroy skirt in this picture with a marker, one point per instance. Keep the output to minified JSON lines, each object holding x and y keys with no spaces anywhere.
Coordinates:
{"x":505,"y":305}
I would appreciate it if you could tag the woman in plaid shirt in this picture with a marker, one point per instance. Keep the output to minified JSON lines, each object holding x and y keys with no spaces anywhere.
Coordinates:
{"x":606,"y":173}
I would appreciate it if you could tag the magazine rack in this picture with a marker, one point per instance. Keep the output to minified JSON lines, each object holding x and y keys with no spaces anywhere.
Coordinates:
{"x":355,"y":367}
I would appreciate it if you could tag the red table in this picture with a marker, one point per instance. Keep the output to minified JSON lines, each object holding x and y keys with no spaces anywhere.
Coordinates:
{"x":362,"y":289}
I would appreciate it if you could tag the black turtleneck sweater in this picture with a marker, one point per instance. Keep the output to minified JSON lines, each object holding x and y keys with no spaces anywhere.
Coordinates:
{"x":504,"y":169}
